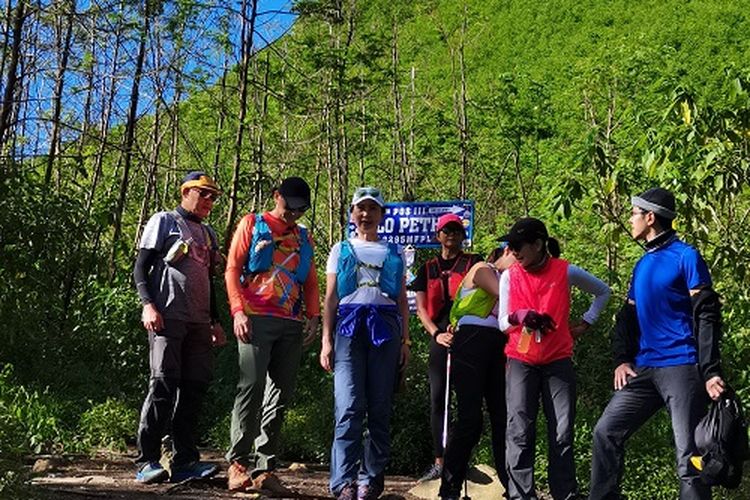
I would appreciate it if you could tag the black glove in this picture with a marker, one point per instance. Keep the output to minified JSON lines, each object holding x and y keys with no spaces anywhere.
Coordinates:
{"x":532,"y":320}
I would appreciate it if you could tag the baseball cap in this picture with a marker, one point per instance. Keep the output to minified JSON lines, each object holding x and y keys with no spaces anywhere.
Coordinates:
{"x":446,"y":219}
{"x":198,"y":179}
{"x":526,"y":230}
{"x":368,"y":193}
{"x":657,"y":200}
{"x":296,"y":193}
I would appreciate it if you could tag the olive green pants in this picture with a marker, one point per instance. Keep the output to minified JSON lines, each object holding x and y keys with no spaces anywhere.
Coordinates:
{"x":268,"y":375}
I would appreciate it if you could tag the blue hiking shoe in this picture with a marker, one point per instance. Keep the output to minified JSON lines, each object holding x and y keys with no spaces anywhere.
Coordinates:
{"x":151,"y":472}
{"x":192,"y":470}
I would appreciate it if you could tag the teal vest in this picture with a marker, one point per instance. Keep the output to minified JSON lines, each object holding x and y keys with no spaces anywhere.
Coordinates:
{"x":389,"y":281}
{"x":260,"y":261}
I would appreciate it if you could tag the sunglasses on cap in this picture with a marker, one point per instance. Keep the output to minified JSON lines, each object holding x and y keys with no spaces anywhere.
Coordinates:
{"x":367,"y":191}
{"x":516,"y":246}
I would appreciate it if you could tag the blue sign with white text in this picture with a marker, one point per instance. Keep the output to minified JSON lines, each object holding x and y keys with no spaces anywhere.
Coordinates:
{"x":413,"y":222}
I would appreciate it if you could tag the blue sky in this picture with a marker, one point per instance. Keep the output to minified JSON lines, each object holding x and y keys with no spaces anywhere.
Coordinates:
{"x":203,"y":64}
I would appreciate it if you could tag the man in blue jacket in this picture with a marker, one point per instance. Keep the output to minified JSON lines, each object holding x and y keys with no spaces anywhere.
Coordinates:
{"x":666,"y":349}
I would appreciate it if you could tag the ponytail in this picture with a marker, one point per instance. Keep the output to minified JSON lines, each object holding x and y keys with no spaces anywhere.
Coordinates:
{"x":553,"y":247}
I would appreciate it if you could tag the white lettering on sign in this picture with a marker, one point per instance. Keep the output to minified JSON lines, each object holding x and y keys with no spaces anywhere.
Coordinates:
{"x":389,"y":225}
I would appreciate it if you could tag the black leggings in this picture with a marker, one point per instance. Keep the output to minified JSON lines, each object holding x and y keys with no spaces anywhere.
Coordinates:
{"x":477,"y":373}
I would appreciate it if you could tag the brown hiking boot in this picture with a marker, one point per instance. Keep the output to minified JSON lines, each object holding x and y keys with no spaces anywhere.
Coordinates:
{"x":268,"y":481}
{"x":238,"y":478}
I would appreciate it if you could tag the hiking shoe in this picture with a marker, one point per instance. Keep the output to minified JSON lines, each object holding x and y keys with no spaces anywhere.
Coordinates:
{"x":151,"y":472}
{"x":434,"y":472}
{"x":237,"y":477}
{"x":348,"y":492}
{"x":268,"y":481}
{"x":367,"y":492}
{"x":192,"y":470}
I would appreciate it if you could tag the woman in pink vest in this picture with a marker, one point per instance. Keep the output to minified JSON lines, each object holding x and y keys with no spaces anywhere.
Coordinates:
{"x":533,"y":310}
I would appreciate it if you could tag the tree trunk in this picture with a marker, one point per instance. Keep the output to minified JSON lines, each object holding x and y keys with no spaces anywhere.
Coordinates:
{"x":248,"y":28}
{"x":86,"y":124}
{"x":222,"y":117}
{"x":6,"y":108}
{"x":64,"y":48}
{"x":108,"y":98}
{"x":6,"y":37}
{"x":129,"y":136}
{"x":261,"y":103}
{"x":401,"y":156}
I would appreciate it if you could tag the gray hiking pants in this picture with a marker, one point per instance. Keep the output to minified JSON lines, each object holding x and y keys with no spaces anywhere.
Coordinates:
{"x":181,"y":360}
{"x":681,"y":389}
{"x":524,"y":384}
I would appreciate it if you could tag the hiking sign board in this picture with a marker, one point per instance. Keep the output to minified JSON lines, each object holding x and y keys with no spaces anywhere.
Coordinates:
{"x":413,"y":222}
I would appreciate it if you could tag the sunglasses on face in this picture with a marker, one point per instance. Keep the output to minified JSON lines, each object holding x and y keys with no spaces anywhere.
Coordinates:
{"x":295,"y":210}
{"x":206,"y":194}
{"x":452,"y":230}
{"x":516,"y":246}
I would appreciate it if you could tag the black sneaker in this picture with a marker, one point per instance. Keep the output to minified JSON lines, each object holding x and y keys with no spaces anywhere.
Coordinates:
{"x":434,"y":472}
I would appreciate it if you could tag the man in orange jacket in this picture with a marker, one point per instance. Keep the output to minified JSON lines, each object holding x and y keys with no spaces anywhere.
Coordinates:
{"x":273,"y":295}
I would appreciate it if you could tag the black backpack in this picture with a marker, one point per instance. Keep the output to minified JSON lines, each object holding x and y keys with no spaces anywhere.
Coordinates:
{"x":721,"y":439}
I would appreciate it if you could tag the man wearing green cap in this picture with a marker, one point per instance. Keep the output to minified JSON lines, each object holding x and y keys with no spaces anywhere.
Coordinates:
{"x":173,"y":272}
{"x":666,"y":349}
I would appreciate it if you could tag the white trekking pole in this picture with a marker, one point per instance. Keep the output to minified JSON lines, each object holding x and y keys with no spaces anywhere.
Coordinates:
{"x":447,"y":399}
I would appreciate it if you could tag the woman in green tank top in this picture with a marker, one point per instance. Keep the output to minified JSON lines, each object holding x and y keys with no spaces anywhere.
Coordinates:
{"x":477,"y":370}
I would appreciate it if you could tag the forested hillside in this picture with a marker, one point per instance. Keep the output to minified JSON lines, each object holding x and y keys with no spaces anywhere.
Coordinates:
{"x":558,"y":109}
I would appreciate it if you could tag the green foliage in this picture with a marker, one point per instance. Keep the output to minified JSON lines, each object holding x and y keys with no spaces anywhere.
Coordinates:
{"x":571,"y":106}
{"x":11,"y":481}
{"x":29,"y":418}
{"x":110,"y":425}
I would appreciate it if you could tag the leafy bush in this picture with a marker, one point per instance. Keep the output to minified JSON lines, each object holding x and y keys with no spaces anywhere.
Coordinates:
{"x":29,"y":419}
{"x":12,"y":481}
{"x":109,"y":425}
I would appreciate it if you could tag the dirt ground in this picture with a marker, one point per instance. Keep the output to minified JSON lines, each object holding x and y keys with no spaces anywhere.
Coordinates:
{"x":111,"y":476}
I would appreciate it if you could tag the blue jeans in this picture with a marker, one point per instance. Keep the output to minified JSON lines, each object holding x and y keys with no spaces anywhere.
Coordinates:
{"x":364,"y":378}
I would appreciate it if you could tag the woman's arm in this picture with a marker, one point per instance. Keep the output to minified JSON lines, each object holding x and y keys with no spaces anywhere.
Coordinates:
{"x":403,"y":306}
{"x":502,"y":302}
{"x":587,"y":282}
{"x":486,"y":278}
{"x":424,"y":318}
{"x":330,"y":306}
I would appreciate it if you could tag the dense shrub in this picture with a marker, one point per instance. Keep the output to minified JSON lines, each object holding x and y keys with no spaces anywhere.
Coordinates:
{"x":111,"y":424}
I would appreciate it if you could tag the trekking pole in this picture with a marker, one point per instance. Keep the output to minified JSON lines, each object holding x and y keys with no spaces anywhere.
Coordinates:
{"x":447,"y":399}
